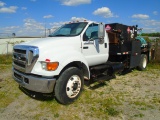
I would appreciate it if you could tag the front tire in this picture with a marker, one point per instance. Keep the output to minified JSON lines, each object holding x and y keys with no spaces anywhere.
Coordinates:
{"x":143,"y":62}
{"x":69,"y":85}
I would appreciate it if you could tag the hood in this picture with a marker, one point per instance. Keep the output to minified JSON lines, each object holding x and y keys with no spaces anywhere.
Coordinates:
{"x":41,"y":42}
{"x":50,"y":45}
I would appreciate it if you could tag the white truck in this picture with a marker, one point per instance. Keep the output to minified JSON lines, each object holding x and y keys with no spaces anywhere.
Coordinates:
{"x":75,"y":52}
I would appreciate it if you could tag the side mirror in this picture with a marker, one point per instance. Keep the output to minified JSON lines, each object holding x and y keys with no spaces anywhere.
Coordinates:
{"x":101,"y":33}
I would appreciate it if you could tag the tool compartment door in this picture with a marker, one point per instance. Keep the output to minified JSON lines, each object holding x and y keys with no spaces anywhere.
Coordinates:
{"x":135,"y":54}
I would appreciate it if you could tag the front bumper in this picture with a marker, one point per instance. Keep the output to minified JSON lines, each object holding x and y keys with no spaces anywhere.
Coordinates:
{"x":34,"y":83}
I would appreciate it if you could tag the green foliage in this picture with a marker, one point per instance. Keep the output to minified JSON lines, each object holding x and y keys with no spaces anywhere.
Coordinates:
{"x":139,"y":115}
{"x":56,"y":115}
{"x":153,"y":65}
{"x":8,"y":92}
{"x":112,"y":112}
{"x":151,"y":34}
{"x":147,"y":39}
{"x":6,"y":59}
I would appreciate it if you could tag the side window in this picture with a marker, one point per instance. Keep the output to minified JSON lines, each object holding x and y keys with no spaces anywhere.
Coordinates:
{"x":91,"y":32}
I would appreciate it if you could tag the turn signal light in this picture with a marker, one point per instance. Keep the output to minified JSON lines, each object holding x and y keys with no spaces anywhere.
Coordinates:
{"x":51,"y":66}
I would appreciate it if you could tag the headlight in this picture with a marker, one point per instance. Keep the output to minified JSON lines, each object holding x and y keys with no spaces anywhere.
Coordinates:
{"x":43,"y":65}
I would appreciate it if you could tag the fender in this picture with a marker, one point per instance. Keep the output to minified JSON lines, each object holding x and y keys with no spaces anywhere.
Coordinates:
{"x":64,"y":58}
{"x":74,"y":56}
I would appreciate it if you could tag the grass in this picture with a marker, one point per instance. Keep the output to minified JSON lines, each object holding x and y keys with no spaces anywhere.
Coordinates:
{"x":153,"y":65}
{"x":139,"y":115}
{"x":90,"y":104}
{"x":5,"y":61}
{"x":8,"y":92}
{"x":7,"y":95}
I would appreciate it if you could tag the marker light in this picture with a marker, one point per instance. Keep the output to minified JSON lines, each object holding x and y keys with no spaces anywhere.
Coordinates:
{"x":51,"y":66}
{"x":47,"y":60}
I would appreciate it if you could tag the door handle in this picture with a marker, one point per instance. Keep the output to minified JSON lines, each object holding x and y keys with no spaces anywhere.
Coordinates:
{"x":86,"y":47}
{"x":105,"y":45}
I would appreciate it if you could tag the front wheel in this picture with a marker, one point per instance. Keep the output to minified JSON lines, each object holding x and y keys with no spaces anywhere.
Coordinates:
{"x":69,"y":85}
{"x":143,"y":62}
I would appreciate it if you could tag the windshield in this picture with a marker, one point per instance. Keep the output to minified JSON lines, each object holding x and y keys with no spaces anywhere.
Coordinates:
{"x":72,"y":29}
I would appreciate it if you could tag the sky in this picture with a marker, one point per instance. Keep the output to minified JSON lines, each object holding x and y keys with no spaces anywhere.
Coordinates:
{"x":32,"y":17}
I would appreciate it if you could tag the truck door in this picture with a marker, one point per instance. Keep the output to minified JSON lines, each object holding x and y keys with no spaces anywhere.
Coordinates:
{"x":94,"y":51}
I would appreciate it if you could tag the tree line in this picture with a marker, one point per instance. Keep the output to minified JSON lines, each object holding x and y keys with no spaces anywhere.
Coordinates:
{"x":151,"y":34}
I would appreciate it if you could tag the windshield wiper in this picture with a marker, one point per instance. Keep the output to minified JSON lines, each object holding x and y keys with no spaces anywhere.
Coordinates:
{"x":60,"y":35}
{"x":56,"y":35}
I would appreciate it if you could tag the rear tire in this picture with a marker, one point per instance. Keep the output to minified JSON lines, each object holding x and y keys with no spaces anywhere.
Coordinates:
{"x":69,"y":85}
{"x":143,"y":62}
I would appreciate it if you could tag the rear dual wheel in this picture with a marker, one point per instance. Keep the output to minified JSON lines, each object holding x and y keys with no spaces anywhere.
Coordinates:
{"x":143,"y":62}
{"x":69,"y":85}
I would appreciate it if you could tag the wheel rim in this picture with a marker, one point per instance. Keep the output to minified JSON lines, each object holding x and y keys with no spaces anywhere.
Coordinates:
{"x":144,"y":63}
{"x":73,"y":86}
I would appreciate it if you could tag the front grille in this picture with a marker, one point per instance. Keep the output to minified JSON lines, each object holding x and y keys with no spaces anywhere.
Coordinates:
{"x":24,"y":57}
{"x":20,"y":51}
{"x":19,"y":64}
{"x":19,"y":77}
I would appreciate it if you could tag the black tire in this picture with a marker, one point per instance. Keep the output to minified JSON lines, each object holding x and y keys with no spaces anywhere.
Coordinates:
{"x":69,"y":85}
{"x":143,"y":62}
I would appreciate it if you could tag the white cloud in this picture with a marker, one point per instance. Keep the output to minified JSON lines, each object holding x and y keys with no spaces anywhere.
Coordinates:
{"x":48,"y":16}
{"x":3,"y":9}
{"x":155,"y":12}
{"x":74,"y":2}
{"x":11,"y":9}
{"x":7,"y":31}
{"x":149,"y":30}
{"x":10,"y":28}
{"x":149,"y":25}
{"x":31,"y":27}
{"x":58,"y":24}
{"x":104,"y":12}
{"x":140,"y":16}
{"x":35,"y":28}
{"x":78,"y":19}
{"x":31,"y":24}
{"x":2,"y":4}
{"x":148,"y":22}
{"x":23,"y":8}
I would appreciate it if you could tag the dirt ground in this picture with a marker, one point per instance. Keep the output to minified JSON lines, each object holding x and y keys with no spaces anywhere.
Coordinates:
{"x":136,"y":96}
